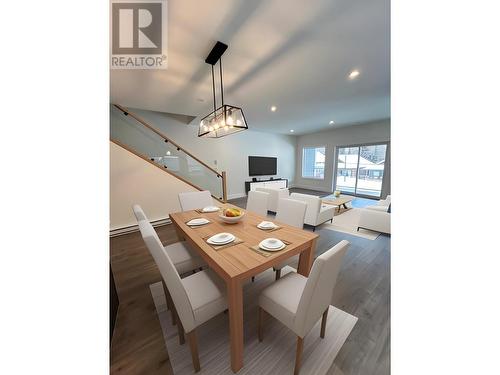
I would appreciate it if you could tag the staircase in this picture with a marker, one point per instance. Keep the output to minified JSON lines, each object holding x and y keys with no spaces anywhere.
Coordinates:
{"x":129,"y":131}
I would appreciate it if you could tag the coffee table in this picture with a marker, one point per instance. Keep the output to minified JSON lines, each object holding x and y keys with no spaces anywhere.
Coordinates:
{"x":340,"y":201}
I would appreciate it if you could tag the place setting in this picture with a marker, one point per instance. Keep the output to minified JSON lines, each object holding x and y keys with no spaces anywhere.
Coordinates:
{"x":269,"y":245}
{"x":197,"y":222}
{"x":268,"y":226}
{"x":222,"y":240}
{"x":207,"y":209}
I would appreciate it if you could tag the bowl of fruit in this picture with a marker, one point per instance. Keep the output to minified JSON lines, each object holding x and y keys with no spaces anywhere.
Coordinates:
{"x":231,"y":215}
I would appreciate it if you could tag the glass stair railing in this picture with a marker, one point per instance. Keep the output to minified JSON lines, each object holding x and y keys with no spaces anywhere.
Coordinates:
{"x":135,"y":135}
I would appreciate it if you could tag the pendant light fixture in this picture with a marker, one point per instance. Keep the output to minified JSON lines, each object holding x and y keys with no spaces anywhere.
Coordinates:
{"x":227,"y":119}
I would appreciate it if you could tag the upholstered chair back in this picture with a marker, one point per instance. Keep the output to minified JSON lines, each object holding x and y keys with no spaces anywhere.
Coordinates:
{"x":139,"y":213}
{"x":291,"y":212}
{"x":318,"y":291}
{"x":274,"y":196}
{"x":257,"y":202}
{"x":169,"y":275}
{"x":313,"y":205}
{"x":195,"y":199}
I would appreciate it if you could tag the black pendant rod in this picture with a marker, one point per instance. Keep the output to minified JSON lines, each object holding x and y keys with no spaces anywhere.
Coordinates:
{"x":213,"y":87}
{"x":221,"y":88}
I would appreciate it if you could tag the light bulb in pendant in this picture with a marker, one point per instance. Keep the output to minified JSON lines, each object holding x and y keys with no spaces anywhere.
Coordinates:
{"x":205,"y":128}
{"x":216,"y":126}
{"x":211,"y":128}
{"x":229,"y":120}
{"x":226,"y":127}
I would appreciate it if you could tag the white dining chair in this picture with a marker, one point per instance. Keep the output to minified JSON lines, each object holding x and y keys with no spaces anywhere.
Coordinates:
{"x":298,"y":301}
{"x":195,"y":199}
{"x":257,"y":202}
{"x":274,"y":197}
{"x":183,"y":256}
{"x":196,"y":298}
{"x":291,"y":212}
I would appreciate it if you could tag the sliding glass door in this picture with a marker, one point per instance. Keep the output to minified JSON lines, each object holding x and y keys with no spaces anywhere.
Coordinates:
{"x":360,"y":170}
{"x":347,"y":165}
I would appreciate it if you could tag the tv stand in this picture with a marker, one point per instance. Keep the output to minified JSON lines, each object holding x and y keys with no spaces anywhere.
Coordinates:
{"x":275,"y":183}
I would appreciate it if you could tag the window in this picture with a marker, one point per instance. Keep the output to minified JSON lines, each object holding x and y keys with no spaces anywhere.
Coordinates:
{"x":313,"y":162}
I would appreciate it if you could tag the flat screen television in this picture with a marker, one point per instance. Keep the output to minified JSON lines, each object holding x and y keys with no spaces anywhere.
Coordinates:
{"x":261,"y":166}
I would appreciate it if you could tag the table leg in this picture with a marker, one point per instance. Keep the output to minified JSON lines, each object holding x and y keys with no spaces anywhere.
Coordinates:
{"x":306,"y":259}
{"x":235,"y":301}
{"x":180,"y":235}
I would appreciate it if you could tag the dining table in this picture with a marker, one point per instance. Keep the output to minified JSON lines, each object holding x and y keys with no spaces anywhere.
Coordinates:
{"x":242,"y":260}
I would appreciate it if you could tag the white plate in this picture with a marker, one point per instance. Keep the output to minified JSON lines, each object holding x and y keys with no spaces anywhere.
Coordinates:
{"x":196,"y":222}
{"x":266,"y":225}
{"x":268,"y":249}
{"x":272,"y":243}
{"x":210,"y":209}
{"x":220,"y":243}
{"x":221,"y":239}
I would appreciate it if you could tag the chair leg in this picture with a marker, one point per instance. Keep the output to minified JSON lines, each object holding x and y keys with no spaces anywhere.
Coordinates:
{"x":278,"y":274}
{"x":314,"y":228}
{"x":193,"y":345}
{"x":331,"y":220}
{"x":323,"y":323}
{"x":180,"y":329}
{"x":298,"y":355}
{"x":167,"y":297}
{"x":170,"y":304}
{"x":253,"y":279}
{"x":261,"y":324}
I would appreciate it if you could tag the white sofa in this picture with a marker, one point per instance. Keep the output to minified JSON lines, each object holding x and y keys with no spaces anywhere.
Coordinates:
{"x":376,"y":220}
{"x":316,"y":213}
{"x":274,"y":196}
{"x":382,"y":205}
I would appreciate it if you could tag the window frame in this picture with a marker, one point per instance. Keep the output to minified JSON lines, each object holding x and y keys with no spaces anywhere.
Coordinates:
{"x":302,"y":163}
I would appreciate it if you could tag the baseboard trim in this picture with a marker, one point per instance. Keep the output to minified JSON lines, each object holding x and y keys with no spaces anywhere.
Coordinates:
{"x":134,"y":228}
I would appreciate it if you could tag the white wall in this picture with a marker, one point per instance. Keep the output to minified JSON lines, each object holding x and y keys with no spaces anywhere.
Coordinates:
{"x":229,"y":153}
{"x":358,"y":134}
{"x":133,"y":180}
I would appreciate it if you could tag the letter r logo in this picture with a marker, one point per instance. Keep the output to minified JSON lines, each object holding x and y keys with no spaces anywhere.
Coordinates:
{"x":137,"y":28}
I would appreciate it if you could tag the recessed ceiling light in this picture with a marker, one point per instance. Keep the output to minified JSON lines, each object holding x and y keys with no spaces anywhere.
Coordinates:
{"x":354,"y":74}
{"x":291,"y":130}
{"x":273,"y":108}
{"x":332,"y":122}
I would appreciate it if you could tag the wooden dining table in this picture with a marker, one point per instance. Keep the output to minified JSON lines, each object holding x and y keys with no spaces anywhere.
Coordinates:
{"x":239,"y":262}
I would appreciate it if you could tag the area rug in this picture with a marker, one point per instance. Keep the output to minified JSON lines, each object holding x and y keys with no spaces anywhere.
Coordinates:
{"x":347,"y":222}
{"x":274,"y":356}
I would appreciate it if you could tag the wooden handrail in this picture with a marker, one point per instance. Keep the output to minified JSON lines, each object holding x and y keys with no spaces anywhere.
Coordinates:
{"x":165,"y":137}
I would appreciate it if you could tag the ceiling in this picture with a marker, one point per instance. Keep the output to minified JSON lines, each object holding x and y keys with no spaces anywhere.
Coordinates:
{"x":294,"y":55}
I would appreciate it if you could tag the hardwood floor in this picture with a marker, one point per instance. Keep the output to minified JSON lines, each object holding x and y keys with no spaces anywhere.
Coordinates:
{"x":138,"y":346}
{"x":363,"y":290}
